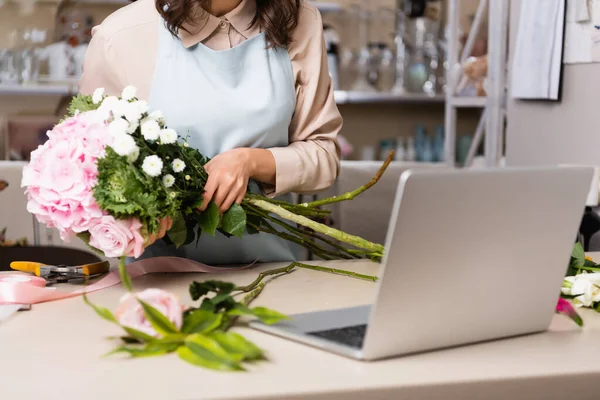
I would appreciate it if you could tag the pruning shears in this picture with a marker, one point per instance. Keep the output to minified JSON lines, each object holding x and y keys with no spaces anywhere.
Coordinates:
{"x":62,"y":273}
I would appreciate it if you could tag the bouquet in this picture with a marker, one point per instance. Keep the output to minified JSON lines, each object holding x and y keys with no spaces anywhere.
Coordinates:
{"x":113,"y":172}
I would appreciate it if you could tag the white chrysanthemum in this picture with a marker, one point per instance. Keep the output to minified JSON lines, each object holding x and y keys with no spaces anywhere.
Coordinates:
{"x":168,"y":180}
{"x":178,"y":165}
{"x":142,"y":106}
{"x":133,"y":127}
{"x":118,"y":127}
{"x":119,"y":108}
{"x":133,"y":156}
{"x":168,"y":136}
{"x":133,"y":112}
{"x":150,"y":129}
{"x":129,"y":93}
{"x":152,"y":166}
{"x":98,"y":96}
{"x":157,"y":116}
{"x":107,"y":107}
{"x":124,"y":145}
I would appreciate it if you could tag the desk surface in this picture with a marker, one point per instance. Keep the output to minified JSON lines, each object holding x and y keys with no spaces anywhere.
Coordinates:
{"x":55,"y":351}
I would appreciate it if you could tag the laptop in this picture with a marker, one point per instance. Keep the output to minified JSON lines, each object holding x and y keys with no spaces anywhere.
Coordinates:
{"x":472,"y":256}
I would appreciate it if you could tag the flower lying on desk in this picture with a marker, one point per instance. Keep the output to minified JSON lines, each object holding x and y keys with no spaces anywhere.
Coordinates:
{"x":155,"y":322}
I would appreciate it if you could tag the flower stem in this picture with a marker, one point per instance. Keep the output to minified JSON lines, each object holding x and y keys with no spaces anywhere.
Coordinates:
{"x":352,"y":195}
{"x":342,"y":272}
{"x":263,"y":275}
{"x":290,"y":268}
{"x":125,"y":278}
{"x":248,"y":299}
{"x":317,"y":227}
{"x":306,"y":236}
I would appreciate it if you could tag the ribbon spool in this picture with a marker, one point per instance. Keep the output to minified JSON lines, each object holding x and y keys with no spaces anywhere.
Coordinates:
{"x":23,"y":280}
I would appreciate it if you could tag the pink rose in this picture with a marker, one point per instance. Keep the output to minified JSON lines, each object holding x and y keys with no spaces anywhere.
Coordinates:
{"x":131,"y":314}
{"x":117,"y":238}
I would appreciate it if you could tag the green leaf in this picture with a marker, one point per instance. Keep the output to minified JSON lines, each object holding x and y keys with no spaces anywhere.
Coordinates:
{"x":578,"y":255}
{"x":141,"y":336}
{"x":237,"y":344}
{"x":199,"y":289}
{"x":269,"y":316}
{"x":208,"y":220}
{"x":201,"y":321}
{"x":234,"y":221}
{"x":266,"y":315}
{"x":101,"y":311}
{"x":158,"y":320}
{"x":129,"y":340}
{"x":178,"y":232}
{"x":205,"y":352}
{"x":150,"y":350}
{"x":207,"y":305}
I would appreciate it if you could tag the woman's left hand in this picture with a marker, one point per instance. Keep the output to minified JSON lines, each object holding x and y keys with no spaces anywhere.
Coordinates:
{"x":228,"y":175}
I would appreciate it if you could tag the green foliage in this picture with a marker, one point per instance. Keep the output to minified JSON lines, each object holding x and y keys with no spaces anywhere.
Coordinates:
{"x":209,"y":220}
{"x":267,"y":316}
{"x":81,"y":103}
{"x":206,"y":352}
{"x":234,"y":221}
{"x":199,"y":289}
{"x":202,"y":321}
{"x":104,"y":313}
{"x":158,"y":321}
{"x":126,"y":192}
{"x":178,"y":232}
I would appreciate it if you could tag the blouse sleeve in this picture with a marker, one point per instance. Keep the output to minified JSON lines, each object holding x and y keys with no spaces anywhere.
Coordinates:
{"x":101,"y":68}
{"x":311,"y":161}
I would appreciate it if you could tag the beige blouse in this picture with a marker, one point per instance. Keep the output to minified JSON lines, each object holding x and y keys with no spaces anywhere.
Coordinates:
{"x":124,"y":49}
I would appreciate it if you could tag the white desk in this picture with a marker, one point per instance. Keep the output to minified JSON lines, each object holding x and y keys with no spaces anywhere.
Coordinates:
{"x":54,"y":352}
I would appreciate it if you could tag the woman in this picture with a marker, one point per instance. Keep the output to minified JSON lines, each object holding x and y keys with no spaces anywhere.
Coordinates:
{"x":248,"y":82}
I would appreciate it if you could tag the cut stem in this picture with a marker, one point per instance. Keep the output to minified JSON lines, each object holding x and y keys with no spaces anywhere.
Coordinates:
{"x":317,"y":227}
{"x":352,"y":195}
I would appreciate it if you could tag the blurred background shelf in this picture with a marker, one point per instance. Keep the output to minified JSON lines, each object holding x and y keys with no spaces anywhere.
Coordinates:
{"x":37,"y":90}
{"x":469,"y":102}
{"x":353,"y":97}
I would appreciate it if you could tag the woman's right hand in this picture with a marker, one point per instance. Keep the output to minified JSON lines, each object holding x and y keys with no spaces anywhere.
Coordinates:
{"x":165,"y":225}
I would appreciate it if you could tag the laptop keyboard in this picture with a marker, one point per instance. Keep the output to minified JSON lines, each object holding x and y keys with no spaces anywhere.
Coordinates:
{"x":353,"y":336}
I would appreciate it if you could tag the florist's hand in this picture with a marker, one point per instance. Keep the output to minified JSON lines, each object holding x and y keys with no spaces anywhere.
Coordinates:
{"x":165,"y":225}
{"x":228,"y":175}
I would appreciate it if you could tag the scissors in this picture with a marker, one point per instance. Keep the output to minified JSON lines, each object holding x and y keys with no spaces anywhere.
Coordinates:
{"x":62,"y":273}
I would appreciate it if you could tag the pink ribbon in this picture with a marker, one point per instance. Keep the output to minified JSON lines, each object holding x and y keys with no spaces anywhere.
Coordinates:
{"x":27,"y":293}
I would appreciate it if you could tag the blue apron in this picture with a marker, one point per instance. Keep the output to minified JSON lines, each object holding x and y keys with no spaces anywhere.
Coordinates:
{"x":241,"y":97}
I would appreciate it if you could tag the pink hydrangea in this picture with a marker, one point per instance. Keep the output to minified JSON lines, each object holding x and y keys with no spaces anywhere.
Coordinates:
{"x":62,"y":172}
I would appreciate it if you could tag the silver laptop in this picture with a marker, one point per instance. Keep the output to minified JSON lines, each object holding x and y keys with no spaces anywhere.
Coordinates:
{"x":472,"y":256}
